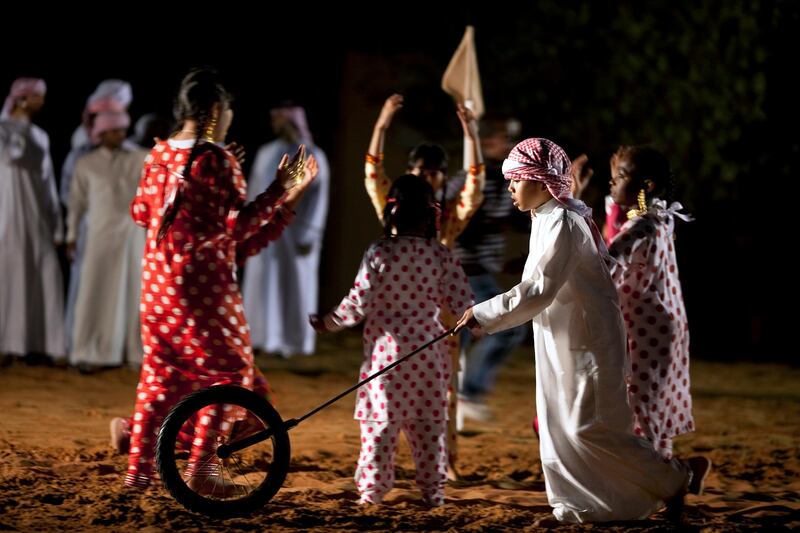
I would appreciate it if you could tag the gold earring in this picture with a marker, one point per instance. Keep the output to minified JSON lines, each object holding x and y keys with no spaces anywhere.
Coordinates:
{"x":641,"y":200}
{"x":211,"y":128}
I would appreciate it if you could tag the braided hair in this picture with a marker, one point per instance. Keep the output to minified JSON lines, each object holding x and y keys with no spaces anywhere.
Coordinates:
{"x":411,"y":205}
{"x":200,"y":89}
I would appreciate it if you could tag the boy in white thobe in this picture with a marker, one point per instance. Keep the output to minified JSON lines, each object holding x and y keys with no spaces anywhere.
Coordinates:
{"x":595,"y":468}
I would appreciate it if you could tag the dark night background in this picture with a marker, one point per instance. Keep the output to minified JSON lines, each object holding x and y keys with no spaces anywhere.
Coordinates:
{"x":707,"y":82}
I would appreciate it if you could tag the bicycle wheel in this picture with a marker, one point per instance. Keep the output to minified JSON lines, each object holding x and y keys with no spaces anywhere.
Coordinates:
{"x":194,"y":460}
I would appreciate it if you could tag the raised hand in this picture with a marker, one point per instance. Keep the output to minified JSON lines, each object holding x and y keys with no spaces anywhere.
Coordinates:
{"x":237,"y":150}
{"x":310,"y":171}
{"x":468,"y":121}
{"x":581,"y":175}
{"x":290,"y":171}
{"x":392,"y":105}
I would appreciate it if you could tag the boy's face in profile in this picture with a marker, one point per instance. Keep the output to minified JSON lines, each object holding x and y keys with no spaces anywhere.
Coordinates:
{"x":528,"y":194}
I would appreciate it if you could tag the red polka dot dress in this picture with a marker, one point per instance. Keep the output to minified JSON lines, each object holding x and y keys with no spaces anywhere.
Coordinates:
{"x":401,"y":285}
{"x":645,"y":272}
{"x":194,"y":332}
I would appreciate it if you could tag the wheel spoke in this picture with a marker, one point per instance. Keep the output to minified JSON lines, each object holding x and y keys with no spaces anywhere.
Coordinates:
{"x":244,"y":474}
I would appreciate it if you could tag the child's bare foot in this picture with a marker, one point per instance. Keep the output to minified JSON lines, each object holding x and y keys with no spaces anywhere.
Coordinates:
{"x":700,"y":466}
{"x":215,"y":486}
{"x":452,"y":473}
{"x":120,"y":435}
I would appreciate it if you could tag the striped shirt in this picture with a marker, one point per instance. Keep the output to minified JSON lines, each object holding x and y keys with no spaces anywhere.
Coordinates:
{"x":481,"y":246}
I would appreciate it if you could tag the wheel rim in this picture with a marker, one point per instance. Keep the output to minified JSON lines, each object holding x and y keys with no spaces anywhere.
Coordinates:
{"x":202,"y":471}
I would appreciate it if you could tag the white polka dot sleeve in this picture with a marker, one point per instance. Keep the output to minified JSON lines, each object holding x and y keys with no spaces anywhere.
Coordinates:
{"x":359,"y":302}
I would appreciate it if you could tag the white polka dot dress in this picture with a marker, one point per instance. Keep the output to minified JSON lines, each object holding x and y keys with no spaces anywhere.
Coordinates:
{"x":645,"y":271}
{"x":400,"y":287}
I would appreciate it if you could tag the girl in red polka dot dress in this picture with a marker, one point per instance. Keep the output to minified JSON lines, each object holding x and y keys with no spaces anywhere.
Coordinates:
{"x":646,"y":274}
{"x":192,"y":200}
{"x":403,"y":281}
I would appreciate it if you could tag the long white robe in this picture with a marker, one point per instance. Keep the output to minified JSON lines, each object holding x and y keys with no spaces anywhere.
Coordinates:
{"x":67,"y":170}
{"x":280,"y":286}
{"x":31,"y":285}
{"x":106,"y":330}
{"x":595,"y":468}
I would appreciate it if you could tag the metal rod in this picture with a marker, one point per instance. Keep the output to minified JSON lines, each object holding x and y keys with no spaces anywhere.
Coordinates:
{"x":368,"y":379}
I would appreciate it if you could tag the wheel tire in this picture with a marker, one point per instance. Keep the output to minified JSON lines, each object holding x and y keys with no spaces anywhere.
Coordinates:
{"x":171,"y":476}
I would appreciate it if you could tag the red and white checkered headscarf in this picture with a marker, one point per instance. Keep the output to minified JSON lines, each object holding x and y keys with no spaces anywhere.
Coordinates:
{"x":110,"y":96}
{"x":21,"y":88}
{"x":543,"y":160}
{"x":540,"y":160}
{"x":109,"y":121}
